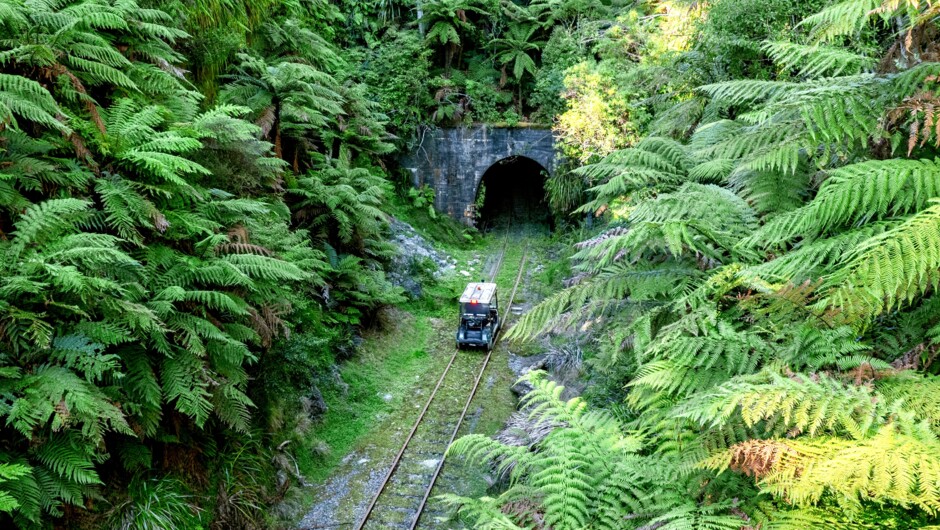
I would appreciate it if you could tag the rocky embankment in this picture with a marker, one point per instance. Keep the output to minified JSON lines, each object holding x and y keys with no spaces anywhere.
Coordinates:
{"x":416,"y":260}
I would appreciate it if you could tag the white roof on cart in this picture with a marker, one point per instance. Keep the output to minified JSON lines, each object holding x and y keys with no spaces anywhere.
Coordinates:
{"x":479,"y":292}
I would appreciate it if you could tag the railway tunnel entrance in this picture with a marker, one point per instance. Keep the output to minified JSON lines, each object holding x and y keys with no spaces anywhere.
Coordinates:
{"x":512,"y":191}
{"x":453,"y":162}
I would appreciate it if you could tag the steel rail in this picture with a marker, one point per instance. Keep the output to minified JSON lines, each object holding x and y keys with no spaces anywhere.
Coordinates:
{"x":391,"y":471}
{"x":499,"y":262}
{"x":397,"y":460}
{"x":473,"y":392}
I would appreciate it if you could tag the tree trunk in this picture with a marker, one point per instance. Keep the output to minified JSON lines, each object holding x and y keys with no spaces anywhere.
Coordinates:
{"x":520,"y":99}
{"x":448,"y":56}
{"x":278,"y":150}
{"x":421,"y":28}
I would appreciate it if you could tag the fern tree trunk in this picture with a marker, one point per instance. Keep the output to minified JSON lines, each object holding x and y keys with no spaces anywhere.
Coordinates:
{"x":278,"y":149}
{"x":520,"y":99}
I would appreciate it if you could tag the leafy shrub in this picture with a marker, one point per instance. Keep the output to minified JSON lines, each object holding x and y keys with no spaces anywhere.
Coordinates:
{"x":423,"y":198}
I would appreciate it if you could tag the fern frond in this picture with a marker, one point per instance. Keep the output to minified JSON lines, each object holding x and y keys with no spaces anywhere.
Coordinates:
{"x":841,"y":19}
{"x":749,"y":92}
{"x":916,"y":391}
{"x":8,"y":502}
{"x":889,"y":270}
{"x":791,"y":405}
{"x":690,"y":516}
{"x":45,"y":220}
{"x":27,"y":99}
{"x":69,"y":458}
{"x":56,"y":397}
{"x":818,"y":60}
{"x":485,"y":512}
{"x":264,"y":267}
{"x":812,"y":260}
{"x":606,"y":291}
{"x":184,"y":382}
{"x":687,"y":361}
{"x":889,"y":466}
{"x":857,"y":194}
{"x":772,"y":192}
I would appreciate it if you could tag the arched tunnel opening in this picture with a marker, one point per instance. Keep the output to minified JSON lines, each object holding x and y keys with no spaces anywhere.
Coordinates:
{"x":512,"y":193}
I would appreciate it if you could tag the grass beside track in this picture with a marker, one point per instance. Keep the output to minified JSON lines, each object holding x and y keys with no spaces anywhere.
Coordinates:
{"x":386,"y":368}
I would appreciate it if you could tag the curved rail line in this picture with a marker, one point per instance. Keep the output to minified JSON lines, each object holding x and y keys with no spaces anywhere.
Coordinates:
{"x":421,"y":417}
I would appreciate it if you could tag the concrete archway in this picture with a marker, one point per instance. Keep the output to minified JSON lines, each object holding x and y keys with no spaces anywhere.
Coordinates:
{"x":453,"y":161}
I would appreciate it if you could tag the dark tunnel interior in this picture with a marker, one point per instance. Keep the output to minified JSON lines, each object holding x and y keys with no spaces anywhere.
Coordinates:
{"x":513,"y":192}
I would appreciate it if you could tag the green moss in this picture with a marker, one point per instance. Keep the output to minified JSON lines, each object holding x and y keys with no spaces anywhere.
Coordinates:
{"x":388,"y":364}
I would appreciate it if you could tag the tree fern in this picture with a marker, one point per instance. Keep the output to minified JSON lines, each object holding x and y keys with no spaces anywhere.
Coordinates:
{"x":288,"y":97}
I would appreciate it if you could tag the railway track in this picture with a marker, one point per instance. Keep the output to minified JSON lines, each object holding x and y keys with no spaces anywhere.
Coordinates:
{"x":406,"y":487}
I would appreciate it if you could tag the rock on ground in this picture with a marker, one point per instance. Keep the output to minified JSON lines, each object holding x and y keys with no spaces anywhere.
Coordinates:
{"x":415,"y":259}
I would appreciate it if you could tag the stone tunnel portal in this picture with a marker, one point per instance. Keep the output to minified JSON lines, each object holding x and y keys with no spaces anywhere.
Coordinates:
{"x":512,"y":191}
{"x":453,"y":161}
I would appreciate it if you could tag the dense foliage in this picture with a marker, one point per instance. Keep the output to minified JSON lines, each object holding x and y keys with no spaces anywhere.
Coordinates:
{"x":161,"y":252}
{"x":193,"y":224}
{"x":762,"y":301}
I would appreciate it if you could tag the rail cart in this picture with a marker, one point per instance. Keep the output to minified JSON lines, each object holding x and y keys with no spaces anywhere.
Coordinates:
{"x":479,"y":316}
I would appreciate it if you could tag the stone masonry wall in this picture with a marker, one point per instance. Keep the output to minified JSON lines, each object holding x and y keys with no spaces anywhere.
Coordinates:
{"x":453,"y":161}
